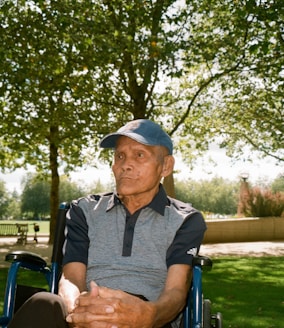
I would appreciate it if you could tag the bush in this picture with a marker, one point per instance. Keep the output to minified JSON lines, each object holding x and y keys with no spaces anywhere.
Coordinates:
{"x":263,"y":203}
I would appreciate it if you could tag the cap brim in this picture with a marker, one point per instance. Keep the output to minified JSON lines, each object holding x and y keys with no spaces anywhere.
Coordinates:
{"x":109,"y":141}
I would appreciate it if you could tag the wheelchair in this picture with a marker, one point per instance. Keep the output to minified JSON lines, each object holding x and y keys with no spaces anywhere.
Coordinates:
{"x":197,"y":313}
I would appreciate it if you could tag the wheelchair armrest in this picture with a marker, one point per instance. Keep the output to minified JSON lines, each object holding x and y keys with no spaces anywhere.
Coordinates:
{"x":27,"y":260}
{"x":202,"y":261}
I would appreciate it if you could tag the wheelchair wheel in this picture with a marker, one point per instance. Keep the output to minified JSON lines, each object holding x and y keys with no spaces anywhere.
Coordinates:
{"x":218,"y":320}
{"x":206,"y":314}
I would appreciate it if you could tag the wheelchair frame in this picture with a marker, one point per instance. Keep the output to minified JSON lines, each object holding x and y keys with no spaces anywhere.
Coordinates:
{"x":197,"y":313}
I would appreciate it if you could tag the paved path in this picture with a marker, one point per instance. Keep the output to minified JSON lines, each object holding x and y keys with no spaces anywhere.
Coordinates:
{"x":266,"y":248}
{"x":261,"y":248}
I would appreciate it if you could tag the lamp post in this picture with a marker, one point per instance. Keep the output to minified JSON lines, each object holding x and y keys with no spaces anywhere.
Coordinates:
{"x":244,"y":194}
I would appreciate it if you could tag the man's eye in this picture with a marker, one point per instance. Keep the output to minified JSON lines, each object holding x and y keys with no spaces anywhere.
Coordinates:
{"x":140,"y":155}
{"x":119,"y":156}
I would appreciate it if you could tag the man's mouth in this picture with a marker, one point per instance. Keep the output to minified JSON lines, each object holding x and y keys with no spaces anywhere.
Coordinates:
{"x":125,"y":178}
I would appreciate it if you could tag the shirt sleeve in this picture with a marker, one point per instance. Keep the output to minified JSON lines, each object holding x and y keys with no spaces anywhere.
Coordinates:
{"x":76,"y":244}
{"x":187,"y":240}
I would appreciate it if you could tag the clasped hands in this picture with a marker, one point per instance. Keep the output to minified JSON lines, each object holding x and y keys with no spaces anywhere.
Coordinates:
{"x":108,"y":308}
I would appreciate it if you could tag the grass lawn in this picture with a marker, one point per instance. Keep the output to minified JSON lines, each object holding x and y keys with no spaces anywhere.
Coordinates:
{"x":25,"y":277}
{"x":43,"y":225}
{"x":248,"y":291}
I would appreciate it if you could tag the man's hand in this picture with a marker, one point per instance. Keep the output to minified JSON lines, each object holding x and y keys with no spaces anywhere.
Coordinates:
{"x":107,"y":308}
{"x":69,"y":292}
{"x":72,"y":283}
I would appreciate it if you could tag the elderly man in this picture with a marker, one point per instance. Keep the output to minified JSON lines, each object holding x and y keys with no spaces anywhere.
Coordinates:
{"x":128,"y":254}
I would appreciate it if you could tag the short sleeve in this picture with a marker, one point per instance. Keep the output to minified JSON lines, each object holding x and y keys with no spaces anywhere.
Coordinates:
{"x":187,"y":240}
{"x":77,"y":241}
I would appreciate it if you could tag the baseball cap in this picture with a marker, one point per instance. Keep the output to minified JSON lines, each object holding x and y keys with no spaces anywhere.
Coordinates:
{"x":143,"y":131}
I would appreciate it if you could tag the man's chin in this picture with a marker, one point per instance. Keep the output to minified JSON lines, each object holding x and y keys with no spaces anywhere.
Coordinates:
{"x":125,"y":191}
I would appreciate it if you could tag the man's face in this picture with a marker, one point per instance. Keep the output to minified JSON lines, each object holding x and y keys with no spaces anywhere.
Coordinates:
{"x":137,"y":168}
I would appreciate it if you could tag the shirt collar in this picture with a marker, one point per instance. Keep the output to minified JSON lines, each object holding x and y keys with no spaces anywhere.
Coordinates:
{"x":158,"y":203}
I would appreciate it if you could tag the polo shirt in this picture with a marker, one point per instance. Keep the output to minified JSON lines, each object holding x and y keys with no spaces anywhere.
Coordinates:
{"x":132,"y":252}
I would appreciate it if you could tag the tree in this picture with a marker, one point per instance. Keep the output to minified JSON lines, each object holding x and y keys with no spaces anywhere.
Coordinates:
{"x":233,"y":77}
{"x":60,"y":68}
{"x":67,"y":79}
{"x":35,"y":197}
{"x":278,"y":184}
{"x":14,"y":208}
{"x":47,"y":91}
{"x":216,"y":196}
{"x":70,"y":190}
{"x":97,"y":187}
{"x":4,"y":201}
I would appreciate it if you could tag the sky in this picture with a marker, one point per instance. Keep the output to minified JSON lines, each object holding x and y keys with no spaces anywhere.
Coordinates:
{"x":265,"y":169}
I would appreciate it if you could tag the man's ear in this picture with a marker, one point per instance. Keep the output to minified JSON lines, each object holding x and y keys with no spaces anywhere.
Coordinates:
{"x":168,"y":165}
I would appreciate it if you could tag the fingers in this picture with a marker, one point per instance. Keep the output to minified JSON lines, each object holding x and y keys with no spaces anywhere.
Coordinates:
{"x":94,"y":288}
{"x":108,"y":293}
{"x":98,"y":308}
{"x":87,"y":319}
{"x":99,"y":296}
{"x":93,"y":303}
{"x":97,"y":304}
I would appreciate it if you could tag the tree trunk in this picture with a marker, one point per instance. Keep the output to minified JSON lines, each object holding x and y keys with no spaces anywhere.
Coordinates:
{"x":54,"y":190}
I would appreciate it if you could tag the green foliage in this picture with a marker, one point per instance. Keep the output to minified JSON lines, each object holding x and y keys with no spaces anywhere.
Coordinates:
{"x":48,"y":90}
{"x":211,"y":69}
{"x":233,"y":78}
{"x":35,"y":198}
{"x":98,"y":187}
{"x":9,"y":204}
{"x":4,"y":201}
{"x":14,"y":206}
{"x":215,"y":196}
{"x":278,"y":184}
{"x":69,"y":190}
{"x":263,"y":203}
{"x":72,"y":71}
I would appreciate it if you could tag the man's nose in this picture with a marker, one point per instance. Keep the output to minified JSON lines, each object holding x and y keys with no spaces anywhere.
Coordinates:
{"x":127,"y":164}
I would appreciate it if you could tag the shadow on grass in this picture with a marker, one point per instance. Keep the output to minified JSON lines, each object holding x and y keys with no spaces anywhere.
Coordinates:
{"x":25,"y":277}
{"x":248,"y":291}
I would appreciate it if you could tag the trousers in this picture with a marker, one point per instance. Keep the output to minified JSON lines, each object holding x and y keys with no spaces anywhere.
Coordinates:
{"x":44,"y":310}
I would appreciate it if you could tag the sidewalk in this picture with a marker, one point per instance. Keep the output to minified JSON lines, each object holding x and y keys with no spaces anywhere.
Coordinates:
{"x":255,"y":249}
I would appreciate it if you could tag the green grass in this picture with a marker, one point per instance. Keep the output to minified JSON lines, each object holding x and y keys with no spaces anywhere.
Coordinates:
{"x":249,"y":292}
{"x":25,"y":277}
{"x":43,"y":225}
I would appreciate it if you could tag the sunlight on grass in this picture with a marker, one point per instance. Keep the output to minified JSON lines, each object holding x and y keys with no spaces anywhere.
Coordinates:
{"x":248,"y":291}
{"x":43,"y":225}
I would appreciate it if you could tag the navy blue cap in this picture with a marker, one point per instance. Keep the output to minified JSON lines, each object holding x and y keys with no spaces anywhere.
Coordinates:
{"x":143,"y":131}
